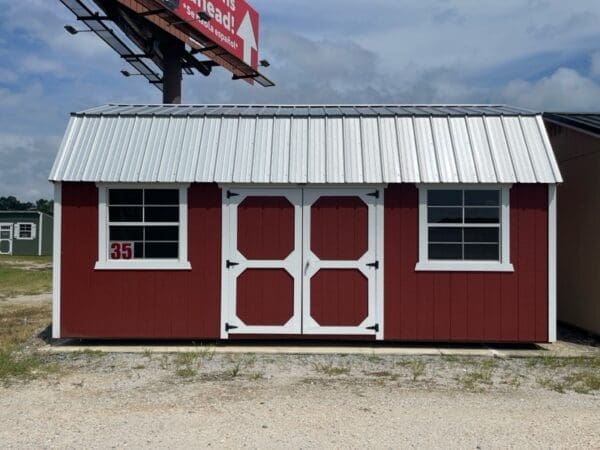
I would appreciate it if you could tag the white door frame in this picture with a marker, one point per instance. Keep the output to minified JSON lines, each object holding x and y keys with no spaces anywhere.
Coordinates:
{"x":9,"y":239}
{"x":294,"y":264}
{"x":370,"y":264}
{"x":230,"y":323}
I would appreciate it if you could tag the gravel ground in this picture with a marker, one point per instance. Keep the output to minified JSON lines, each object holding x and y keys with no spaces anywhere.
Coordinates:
{"x":204,"y":399}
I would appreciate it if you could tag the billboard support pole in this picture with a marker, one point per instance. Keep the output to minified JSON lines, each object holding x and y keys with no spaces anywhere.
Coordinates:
{"x":173,"y":50}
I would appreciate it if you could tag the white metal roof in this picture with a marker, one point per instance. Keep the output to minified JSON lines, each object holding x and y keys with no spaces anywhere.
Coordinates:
{"x":306,"y":144}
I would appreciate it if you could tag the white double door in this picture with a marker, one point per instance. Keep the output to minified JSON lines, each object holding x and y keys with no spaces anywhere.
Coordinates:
{"x":302,"y":261}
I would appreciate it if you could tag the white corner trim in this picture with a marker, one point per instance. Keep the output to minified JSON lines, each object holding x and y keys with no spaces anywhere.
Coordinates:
{"x":56,"y":253}
{"x":380,"y":251}
{"x":225,"y":276}
{"x":40,"y":233}
{"x":504,"y":265}
{"x":552,"y":263}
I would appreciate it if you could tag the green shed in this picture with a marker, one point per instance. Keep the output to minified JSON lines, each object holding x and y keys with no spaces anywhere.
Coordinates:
{"x":25,"y":233}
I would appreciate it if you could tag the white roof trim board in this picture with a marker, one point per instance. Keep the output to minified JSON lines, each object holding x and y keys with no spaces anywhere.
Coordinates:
{"x":306,"y":144}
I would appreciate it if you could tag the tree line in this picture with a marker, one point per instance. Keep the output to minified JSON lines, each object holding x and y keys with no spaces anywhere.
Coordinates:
{"x":11,"y":203}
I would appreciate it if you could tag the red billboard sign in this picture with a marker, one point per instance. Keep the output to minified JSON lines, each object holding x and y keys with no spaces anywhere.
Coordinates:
{"x":233,"y":24}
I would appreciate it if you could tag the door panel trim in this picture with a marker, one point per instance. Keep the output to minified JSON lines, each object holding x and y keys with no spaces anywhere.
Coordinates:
{"x":301,"y":198}
{"x":291,"y":264}
{"x":9,"y":239}
{"x":312,"y":264}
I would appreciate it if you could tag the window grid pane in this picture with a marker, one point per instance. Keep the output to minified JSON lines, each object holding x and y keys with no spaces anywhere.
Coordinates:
{"x":147,"y":231}
{"x":468,"y":229}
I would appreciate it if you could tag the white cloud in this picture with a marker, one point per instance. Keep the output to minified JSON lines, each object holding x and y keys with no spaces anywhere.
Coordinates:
{"x":564,"y":90}
{"x":39,"y":65}
{"x":7,"y":75}
{"x":25,"y":165}
{"x":595,"y":66}
{"x":42,"y":21}
{"x":338,"y":51}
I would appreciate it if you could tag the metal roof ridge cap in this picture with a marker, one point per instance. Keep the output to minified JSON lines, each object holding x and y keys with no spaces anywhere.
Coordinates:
{"x":113,"y":104}
{"x":241,"y":110}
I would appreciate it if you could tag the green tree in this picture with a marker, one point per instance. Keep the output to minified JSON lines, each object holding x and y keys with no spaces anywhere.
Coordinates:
{"x":45,"y":206}
{"x":11,"y":203}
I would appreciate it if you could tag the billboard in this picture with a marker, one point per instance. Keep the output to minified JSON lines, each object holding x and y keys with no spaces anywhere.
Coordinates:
{"x":233,"y":24}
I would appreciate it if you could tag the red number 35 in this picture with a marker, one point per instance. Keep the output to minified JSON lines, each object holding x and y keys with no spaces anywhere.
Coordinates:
{"x":121,"y":250}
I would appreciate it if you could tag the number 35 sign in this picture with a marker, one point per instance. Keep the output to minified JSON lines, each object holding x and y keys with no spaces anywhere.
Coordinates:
{"x":121,"y":250}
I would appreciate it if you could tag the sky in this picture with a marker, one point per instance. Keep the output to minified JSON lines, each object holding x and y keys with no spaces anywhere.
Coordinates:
{"x":538,"y":54}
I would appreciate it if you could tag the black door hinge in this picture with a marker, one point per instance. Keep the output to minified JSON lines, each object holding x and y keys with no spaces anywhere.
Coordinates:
{"x":374,"y":194}
{"x":229,"y":327}
{"x":230,"y":264}
{"x":375,"y":328}
{"x":374,"y":264}
{"x":231,"y":194}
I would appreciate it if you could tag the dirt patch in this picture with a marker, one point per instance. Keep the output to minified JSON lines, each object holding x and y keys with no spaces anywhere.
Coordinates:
{"x":202,"y":399}
{"x":38,"y":299}
{"x":31,"y":263}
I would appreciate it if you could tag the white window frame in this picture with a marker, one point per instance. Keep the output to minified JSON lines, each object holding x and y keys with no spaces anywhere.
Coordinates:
{"x":503,"y":265}
{"x":18,"y":231}
{"x":105,"y":263}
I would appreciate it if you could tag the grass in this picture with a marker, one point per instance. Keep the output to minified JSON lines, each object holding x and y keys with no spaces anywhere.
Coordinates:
{"x":186,"y":372}
{"x":233,"y":370}
{"x":18,"y":324}
{"x":237,"y":363}
{"x":513,"y":380}
{"x":164,"y":362}
{"x":383,"y":374}
{"x":188,"y":363}
{"x":553,"y":362}
{"x":582,"y":382}
{"x":552,"y":385}
{"x":89,"y":353}
{"x":15,"y":281}
{"x":480,"y":376}
{"x":417,"y":368}
{"x":18,"y":366}
{"x":374,"y":359}
{"x":186,"y":358}
{"x":331,"y":370}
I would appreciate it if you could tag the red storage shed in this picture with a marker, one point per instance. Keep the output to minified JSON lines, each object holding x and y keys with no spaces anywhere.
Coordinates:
{"x":387,"y":222}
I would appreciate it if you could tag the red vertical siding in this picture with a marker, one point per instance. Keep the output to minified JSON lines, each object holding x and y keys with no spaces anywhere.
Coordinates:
{"x":419,"y":306}
{"x":463,"y":307}
{"x":139,"y":304}
{"x":265,"y":231}
{"x":265,"y":297}
{"x":266,"y":227}
{"x":339,"y":228}
{"x":339,"y":297}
